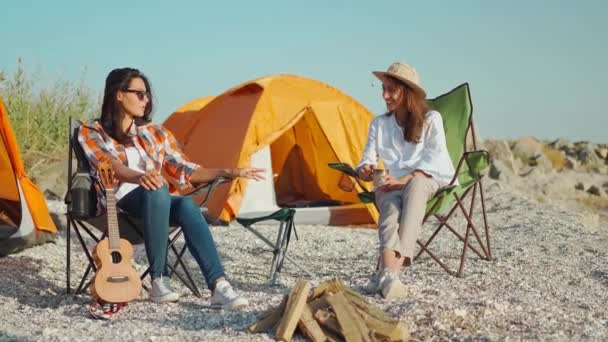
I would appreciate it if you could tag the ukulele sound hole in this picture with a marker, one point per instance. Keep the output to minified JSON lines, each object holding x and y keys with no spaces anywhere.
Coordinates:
{"x":116,"y":257}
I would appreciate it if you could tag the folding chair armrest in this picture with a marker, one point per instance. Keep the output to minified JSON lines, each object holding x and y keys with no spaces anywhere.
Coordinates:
{"x":345,"y":168}
{"x":349,"y":171}
{"x":207,"y":189}
{"x":477,"y":160}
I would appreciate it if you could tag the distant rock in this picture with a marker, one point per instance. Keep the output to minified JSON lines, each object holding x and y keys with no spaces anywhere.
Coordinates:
{"x":573,"y":174}
{"x":502,"y":171}
{"x":594,"y":190}
{"x":526,"y":148}
{"x":500,"y":150}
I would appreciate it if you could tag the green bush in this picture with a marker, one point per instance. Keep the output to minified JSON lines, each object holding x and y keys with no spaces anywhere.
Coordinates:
{"x":39,"y":115}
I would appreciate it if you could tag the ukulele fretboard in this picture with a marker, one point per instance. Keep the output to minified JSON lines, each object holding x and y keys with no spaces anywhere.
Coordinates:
{"x":113,"y":232}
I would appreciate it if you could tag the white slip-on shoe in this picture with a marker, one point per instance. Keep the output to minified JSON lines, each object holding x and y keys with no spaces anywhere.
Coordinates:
{"x":391,"y":286}
{"x":162,"y":292}
{"x":224,"y":297}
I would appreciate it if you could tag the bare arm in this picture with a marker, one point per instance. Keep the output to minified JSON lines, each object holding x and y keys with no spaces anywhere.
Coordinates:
{"x":149,"y":180}
{"x":204,"y":175}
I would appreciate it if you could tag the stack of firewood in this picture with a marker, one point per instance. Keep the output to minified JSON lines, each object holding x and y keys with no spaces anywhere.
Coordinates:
{"x":330,"y":312}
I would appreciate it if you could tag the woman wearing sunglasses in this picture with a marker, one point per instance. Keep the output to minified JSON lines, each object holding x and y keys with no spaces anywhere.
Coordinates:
{"x":139,"y":152}
{"x":410,"y":141}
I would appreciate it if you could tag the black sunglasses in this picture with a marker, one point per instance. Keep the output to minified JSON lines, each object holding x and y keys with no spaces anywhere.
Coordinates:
{"x":140,"y":93}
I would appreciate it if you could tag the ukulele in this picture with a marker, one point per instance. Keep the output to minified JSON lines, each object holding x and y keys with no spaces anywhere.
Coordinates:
{"x":115,"y":281}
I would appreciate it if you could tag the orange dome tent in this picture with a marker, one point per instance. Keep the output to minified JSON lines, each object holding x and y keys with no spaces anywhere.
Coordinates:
{"x":24,"y":216}
{"x":305,"y":124}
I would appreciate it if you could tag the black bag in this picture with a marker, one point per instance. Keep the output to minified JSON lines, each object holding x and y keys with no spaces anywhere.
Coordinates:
{"x":83,"y":196}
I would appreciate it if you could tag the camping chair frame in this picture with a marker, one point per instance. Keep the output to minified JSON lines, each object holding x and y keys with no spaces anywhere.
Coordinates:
{"x":80,"y":224}
{"x":285,"y":216}
{"x":475,"y":160}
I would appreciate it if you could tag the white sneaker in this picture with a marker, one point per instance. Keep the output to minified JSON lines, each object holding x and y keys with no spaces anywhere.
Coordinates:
{"x":225,"y":298}
{"x":162,"y":292}
{"x":391,"y":286}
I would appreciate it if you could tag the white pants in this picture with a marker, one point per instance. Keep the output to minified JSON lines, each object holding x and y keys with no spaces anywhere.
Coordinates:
{"x":401,"y":215}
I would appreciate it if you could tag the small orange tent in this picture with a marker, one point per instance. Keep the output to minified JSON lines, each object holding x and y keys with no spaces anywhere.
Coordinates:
{"x":305,"y":123}
{"x":24,"y":216}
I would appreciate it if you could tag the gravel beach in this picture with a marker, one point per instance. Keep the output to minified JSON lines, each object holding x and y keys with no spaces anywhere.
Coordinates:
{"x":549,"y":281}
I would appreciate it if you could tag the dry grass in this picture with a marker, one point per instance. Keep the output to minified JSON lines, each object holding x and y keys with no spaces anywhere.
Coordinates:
{"x":39,"y":115}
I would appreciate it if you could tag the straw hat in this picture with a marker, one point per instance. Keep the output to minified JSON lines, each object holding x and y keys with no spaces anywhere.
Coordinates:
{"x":403,"y":72}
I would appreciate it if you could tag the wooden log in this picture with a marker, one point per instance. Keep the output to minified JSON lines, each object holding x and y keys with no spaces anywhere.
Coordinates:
{"x":317,"y":304}
{"x":361,"y":303}
{"x":309,"y":326}
{"x":391,"y":331}
{"x":329,"y":323}
{"x":329,"y":286}
{"x":293,"y":311}
{"x":353,"y":327}
{"x":270,"y":318}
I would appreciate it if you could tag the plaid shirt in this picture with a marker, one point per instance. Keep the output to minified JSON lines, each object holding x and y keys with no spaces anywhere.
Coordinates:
{"x":157,"y":146}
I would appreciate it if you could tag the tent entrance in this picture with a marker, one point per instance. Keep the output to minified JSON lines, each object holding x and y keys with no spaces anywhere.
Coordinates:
{"x":294,"y":164}
{"x":298,"y":156}
{"x":10,"y":217}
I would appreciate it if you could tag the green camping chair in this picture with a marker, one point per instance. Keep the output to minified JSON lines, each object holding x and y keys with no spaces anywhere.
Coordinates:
{"x":456,"y":109}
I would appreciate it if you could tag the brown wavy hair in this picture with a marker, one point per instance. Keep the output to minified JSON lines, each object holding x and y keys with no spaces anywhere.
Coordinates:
{"x":417,"y":107}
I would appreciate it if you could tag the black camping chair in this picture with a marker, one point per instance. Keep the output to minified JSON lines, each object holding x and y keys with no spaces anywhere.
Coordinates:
{"x":81,"y":210}
{"x":285,"y":217}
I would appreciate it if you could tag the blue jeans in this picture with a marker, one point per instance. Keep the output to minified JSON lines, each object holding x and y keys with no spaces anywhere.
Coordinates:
{"x":158,"y":209}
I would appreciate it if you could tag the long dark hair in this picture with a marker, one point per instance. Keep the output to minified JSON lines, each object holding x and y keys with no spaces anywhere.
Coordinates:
{"x":119,"y":80}
{"x":417,"y":107}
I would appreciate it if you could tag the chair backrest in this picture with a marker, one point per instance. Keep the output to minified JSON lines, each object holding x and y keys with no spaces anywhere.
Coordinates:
{"x":81,"y":161}
{"x":456,"y":110}
{"x":81,"y":199}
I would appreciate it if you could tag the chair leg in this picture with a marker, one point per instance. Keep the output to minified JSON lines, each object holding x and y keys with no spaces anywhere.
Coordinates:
{"x":283,"y":247}
{"x":190,"y":282}
{"x":464,"y":252}
{"x":442,"y":223}
{"x":471,"y":225}
{"x":82,"y":287}
{"x":263,"y":238}
{"x":484,"y":254}
{"x":277,"y":254}
{"x":485,"y":222}
{"x":68,"y":284}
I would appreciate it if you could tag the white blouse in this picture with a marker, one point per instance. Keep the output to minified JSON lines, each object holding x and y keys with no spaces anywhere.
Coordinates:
{"x":385,"y":141}
{"x":136,"y":163}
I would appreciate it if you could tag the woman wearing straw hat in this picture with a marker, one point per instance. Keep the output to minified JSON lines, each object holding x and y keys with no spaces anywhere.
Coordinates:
{"x":410,"y":141}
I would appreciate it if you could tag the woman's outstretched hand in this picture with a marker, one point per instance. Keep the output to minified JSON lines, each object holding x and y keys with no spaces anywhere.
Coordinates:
{"x":249,"y":173}
{"x":151,"y":180}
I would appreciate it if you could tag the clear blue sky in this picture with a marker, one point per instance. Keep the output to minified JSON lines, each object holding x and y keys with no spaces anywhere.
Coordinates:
{"x":535,"y":67}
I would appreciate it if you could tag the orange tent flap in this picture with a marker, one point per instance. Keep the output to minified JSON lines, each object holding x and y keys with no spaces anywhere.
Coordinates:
{"x":33,"y":195}
{"x":8,"y":183}
{"x":37,"y":205}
